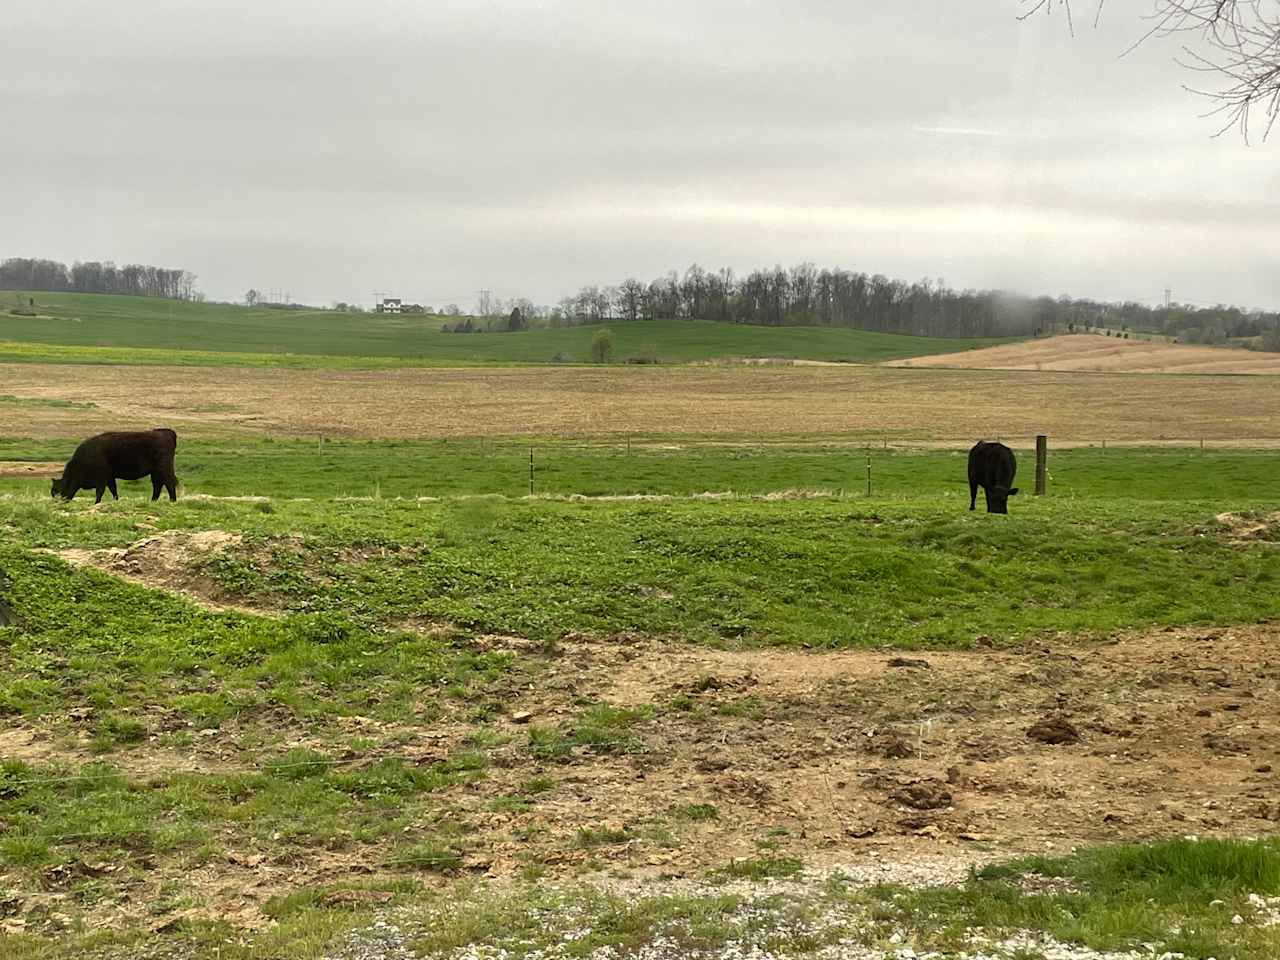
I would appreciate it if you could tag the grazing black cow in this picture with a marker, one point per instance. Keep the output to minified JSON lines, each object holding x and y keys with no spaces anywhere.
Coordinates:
{"x":992,"y":467}
{"x":102,"y":460}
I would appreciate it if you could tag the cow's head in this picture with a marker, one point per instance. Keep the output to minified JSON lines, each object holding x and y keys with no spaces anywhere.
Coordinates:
{"x":998,"y":499}
{"x":55,"y":487}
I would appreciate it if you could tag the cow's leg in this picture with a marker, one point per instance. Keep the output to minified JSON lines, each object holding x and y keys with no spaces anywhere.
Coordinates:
{"x":111,"y":485}
{"x":973,"y":493}
{"x":172,"y":486}
{"x":156,"y":483}
{"x":101,"y":489}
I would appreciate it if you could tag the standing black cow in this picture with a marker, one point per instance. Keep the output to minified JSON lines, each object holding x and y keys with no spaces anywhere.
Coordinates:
{"x":102,"y":460}
{"x":992,"y":467}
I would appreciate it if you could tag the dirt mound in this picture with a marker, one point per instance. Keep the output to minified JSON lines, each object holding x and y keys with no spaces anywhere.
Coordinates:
{"x":1087,"y":352}
{"x":170,"y":560}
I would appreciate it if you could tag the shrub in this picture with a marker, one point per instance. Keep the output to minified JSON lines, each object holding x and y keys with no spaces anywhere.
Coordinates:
{"x":602,"y":345}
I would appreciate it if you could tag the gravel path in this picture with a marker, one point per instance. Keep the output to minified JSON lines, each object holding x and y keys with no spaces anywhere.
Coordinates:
{"x":760,"y":917}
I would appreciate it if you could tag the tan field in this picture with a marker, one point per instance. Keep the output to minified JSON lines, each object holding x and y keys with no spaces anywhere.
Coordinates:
{"x":1095,"y":354}
{"x":854,"y":401}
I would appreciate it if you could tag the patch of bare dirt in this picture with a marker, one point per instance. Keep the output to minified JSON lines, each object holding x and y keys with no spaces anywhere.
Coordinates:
{"x":1251,"y":527}
{"x":1150,"y":736}
{"x":834,"y":758}
{"x":168,"y":560}
{"x":1102,"y":354}
{"x":30,"y":468}
{"x":72,"y":745}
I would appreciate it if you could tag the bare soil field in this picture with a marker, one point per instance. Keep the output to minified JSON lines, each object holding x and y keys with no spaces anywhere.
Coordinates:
{"x":859,"y":757}
{"x":1094,"y":354}
{"x":587,"y":401}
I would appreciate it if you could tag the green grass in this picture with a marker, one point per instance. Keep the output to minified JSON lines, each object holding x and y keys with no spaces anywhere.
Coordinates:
{"x":601,"y":729}
{"x":320,"y":712}
{"x":61,"y":818}
{"x":1122,"y":898}
{"x":1127,"y":540}
{"x":86,"y":638}
{"x":96,"y":321}
{"x":287,"y":467}
{"x":1178,"y":895}
{"x":758,"y":868}
{"x":696,"y":812}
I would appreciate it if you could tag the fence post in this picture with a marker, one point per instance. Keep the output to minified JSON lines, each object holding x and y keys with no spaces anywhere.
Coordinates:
{"x":868,"y":471}
{"x":1042,"y":454}
{"x":531,"y":471}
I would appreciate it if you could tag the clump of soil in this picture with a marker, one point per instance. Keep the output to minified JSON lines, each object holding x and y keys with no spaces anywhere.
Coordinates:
{"x":927,"y":794}
{"x":1054,"y":729}
{"x":891,"y":745}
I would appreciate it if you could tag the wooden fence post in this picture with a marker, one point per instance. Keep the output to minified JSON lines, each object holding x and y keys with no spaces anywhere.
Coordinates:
{"x":1042,"y":454}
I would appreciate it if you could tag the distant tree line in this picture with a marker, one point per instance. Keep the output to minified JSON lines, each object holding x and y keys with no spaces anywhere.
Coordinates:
{"x":806,"y":295}
{"x":134,"y":279}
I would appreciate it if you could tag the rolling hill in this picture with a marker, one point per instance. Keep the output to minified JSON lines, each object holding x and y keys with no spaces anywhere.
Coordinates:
{"x":98,"y":320}
{"x":1096,"y":354}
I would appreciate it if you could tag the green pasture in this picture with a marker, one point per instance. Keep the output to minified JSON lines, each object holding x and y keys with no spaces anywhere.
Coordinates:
{"x":90,"y":328}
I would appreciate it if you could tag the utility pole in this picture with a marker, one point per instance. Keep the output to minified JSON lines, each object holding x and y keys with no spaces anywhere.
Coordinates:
{"x":377,"y":299}
{"x":1167,"y":294}
{"x":484,"y":303}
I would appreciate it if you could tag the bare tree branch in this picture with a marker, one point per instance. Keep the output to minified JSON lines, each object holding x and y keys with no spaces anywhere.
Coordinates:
{"x":1243,"y":48}
{"x":1236,"y":40}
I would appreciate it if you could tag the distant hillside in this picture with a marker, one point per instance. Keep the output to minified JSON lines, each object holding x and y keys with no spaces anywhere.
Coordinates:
{"x":1099,"y":354}
{"x":94,"y":320}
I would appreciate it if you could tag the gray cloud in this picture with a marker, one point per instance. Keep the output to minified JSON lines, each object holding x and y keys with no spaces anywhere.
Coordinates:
{"x":528,"y":148}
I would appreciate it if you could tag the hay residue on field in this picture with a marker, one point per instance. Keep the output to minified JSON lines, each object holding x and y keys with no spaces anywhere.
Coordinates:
{"x":1099,"y":354}
{"x":940,"y":405}
{"x":30,"y":468}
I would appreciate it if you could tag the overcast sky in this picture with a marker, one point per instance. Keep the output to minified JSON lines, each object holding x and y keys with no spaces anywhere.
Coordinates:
{"x":431,"y":148}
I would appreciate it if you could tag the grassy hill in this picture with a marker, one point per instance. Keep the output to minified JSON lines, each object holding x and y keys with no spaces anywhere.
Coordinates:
{"x":95,"y":320}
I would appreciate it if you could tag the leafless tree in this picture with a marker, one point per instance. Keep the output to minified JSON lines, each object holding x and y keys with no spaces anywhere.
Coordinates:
{"x":1236,"y":41}
{"x":630,"y":298}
